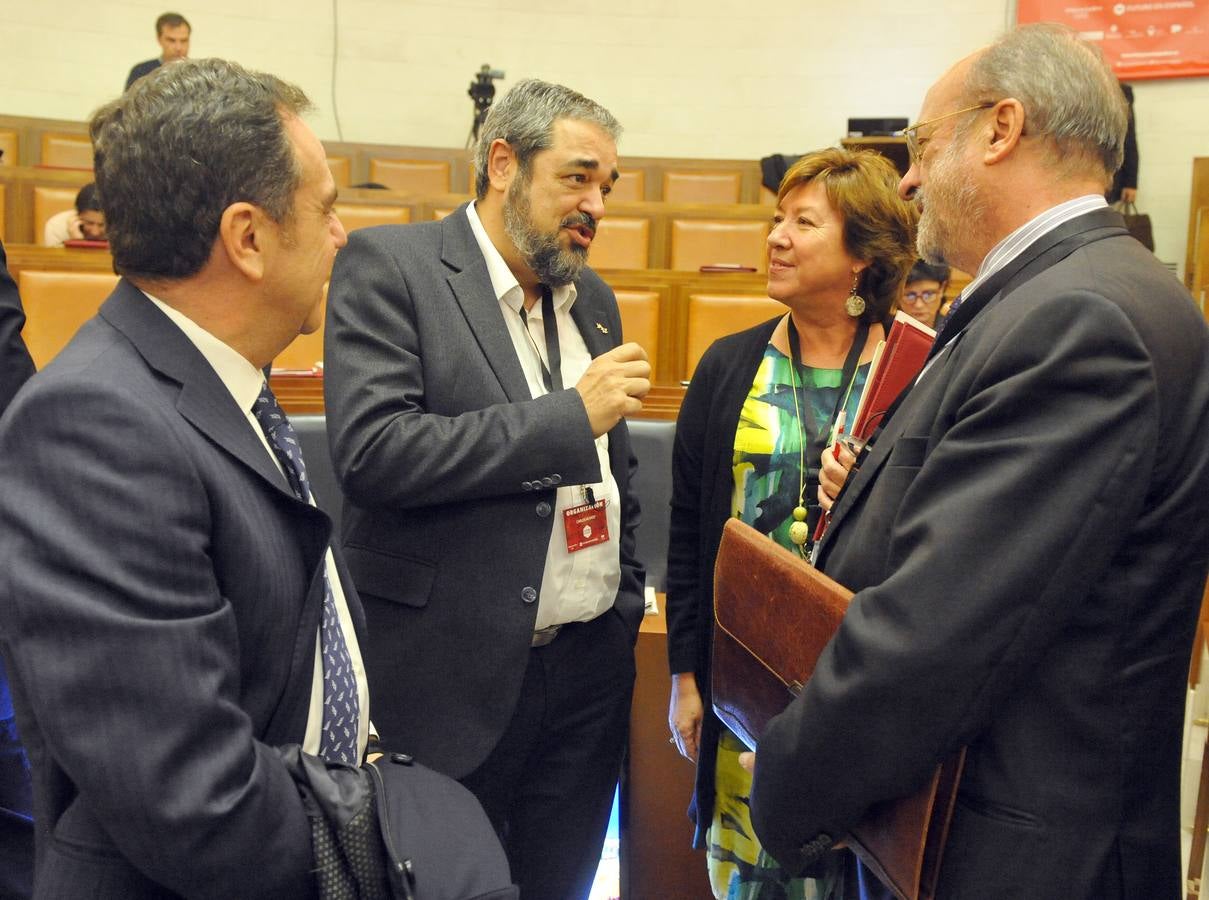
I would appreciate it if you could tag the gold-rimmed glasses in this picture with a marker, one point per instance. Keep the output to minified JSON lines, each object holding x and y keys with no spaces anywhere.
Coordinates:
{"x":911,"y":133}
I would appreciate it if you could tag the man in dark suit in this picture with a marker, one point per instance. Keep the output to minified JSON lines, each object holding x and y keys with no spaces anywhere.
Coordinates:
{"x":1028,"y":536}
{"x":475,"y":387}
{"x":16,"y":828}
{"x":169,"y":606}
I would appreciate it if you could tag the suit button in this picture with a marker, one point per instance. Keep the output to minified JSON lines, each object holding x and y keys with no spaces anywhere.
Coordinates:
{"x":529,"y":595}
{"x":556,"y":478}
{"x":543,"y":509}
{"x":547,"y":481}
{"x":526,"y":485}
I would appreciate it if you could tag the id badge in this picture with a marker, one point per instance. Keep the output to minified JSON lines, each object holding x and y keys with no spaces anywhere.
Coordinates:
{"x":586,"y":525}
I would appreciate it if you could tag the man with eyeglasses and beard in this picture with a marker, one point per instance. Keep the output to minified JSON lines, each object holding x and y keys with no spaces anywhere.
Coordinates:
{"x":1028,"y":535}
{"x":476,"y":386}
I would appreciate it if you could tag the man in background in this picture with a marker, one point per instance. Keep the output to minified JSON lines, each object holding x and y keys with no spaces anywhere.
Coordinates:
{"x":1028,"y":536}
{"x":172,"y":32}
{"x":476,"y":385}
{"x":170,"y":610}
{"x":16,"y":802}
{"x":86,"y":222}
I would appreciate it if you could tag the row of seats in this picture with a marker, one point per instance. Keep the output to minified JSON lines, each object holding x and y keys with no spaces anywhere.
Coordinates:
{"x":681,"y":184}
{"x":622,"y":241}
{"x":60,"y":151}
{"x":427,"y":176}
{"x":57,"y":303}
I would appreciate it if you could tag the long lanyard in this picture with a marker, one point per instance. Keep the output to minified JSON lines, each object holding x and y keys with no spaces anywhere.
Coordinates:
{"x":552,"y":376}
{"x":846,"y":379}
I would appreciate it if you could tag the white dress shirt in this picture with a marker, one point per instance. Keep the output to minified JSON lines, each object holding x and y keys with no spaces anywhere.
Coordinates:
{"x":579,"y":586}
{"x":244,"y":381}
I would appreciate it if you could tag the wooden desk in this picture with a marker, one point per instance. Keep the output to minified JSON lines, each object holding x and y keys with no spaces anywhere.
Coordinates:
{"x":657,"y":859}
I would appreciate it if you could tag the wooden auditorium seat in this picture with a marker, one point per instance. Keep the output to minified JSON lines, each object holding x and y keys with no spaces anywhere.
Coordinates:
{"x":708,"y":242}
{"x":621,"y":242}
{"x":66,"y":151}
{"x":306,"y":350}
{"x":363,"y":215}
{"x":441,"y":212}
{"x":3,"y":209}
{"x":640,"y":320}
{"x":342,"y":170}
{"x":630,"y":187}
{"x":416,"y":176}
{"x":711,"y":316}
{"x":701,"y":187}
{"x":47,"y":202}
{"x":10,"y":143}
{"x":56,"y":305}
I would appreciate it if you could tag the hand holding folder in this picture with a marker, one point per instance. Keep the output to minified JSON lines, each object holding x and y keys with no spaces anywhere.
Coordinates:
{"x":896,"y":363}
{"x":774,"y":615}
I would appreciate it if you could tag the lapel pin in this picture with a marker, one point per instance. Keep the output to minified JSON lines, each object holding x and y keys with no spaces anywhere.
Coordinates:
{"x":603,"y":330}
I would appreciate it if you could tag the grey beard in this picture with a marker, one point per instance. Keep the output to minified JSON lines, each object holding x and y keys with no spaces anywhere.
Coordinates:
{"x":552,"y":264}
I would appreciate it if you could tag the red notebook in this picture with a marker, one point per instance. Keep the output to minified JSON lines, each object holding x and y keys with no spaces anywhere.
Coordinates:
{"x":895,"y":365}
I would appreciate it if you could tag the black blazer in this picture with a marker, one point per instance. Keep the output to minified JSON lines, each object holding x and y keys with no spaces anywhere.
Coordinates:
{"x":160,"y":593}
{"x":448,"y":467}
{"x":702,"y":485}
{"x":1028,"y":539}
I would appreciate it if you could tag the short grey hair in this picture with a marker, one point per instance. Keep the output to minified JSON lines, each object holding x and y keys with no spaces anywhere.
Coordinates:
{"x":1070,"y":94}
{"x":525,"y":119}
{"x":182,"y":145}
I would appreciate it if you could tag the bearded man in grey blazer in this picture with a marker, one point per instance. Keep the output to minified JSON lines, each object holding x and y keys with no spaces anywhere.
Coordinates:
{"x":1028,"y":536}
{"x":475,"y":384}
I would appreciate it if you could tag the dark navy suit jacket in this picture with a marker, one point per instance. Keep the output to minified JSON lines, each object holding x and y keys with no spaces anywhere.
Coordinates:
{"x":160,"y":594}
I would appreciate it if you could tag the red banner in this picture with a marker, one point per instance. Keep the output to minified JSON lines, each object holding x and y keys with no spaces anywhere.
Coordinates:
{"x":1157,"y":39}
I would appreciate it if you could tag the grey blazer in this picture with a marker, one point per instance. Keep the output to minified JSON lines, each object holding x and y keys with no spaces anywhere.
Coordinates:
{"x":1028,"y":539}
{"x":449,"y":469}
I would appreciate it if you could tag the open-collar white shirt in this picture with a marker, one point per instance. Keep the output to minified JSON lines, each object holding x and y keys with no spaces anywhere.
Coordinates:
{"x":579,"y":586}
{"x":244,"y":382}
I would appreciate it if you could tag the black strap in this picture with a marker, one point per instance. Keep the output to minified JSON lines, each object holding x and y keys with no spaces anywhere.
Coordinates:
{"x":849,"y":371}
{"x":552,"y":375}
{"x":814,"y":449}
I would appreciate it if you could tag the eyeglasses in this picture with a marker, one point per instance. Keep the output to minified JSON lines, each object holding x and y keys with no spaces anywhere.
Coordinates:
{"x":911,"y":133}
{"x":925,"y":296}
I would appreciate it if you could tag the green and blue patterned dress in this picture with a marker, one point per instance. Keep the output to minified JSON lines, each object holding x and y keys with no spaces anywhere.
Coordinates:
{"x":767,"y":479}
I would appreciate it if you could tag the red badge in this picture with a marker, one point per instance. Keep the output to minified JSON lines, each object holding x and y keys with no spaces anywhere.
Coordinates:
{"x":586,"y":525}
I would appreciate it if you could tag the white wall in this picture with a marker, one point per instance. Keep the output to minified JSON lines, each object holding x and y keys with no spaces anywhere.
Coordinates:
{"x":711,"y":78}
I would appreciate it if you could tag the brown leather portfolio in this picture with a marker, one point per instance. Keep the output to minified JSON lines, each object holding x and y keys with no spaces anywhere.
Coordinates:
{"x":774,"y":615}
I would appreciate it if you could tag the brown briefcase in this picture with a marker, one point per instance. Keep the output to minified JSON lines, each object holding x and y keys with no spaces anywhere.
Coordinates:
{"x":774,"y":613}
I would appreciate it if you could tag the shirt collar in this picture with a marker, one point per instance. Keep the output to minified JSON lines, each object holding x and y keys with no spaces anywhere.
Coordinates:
{"x":503,"y":282}
{"x":1028,"y":233}
{"x":239,"y":376}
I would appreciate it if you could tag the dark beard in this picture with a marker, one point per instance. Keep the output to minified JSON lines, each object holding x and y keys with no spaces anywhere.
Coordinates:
{"x":551,"y":263}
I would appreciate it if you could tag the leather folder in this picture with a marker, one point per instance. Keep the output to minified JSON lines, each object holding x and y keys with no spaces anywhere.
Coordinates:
{"x":774,"y":613}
